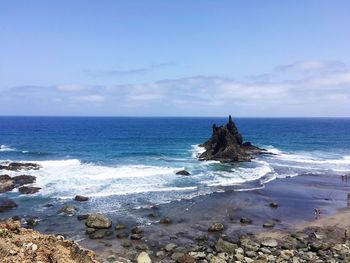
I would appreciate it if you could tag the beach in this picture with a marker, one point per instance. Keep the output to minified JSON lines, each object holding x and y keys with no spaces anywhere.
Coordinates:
{"x":286,"y":204}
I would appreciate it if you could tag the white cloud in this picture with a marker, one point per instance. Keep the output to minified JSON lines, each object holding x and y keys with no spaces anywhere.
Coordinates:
{"x":71,"y":87}
{"x":326,"y":89}
{"x":90,"y":98}
{"x":312,"y":66}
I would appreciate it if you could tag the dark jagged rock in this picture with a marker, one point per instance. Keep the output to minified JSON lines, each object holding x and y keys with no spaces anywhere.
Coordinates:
{"x":23,"y":179}
{"x":183,"y":172}
{"x":28,"y":190}
{"x":226,"y":145}
{"x":20,"y":166}
{"x":81,"y":198}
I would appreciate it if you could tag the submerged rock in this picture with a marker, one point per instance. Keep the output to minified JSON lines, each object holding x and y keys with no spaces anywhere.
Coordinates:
{"x":83,"y":217}
{"x":98,"y":221}
{"x":226,"y":145}
{"x":7,"y":204}
{"x":165,"y":221}
{"x":68,"y":210}
{"x":216,"y":227}
{"x":246,"y":221}
{"x":119,"y":226}
{"x":273,"y":205}
{"x":225,"y":246}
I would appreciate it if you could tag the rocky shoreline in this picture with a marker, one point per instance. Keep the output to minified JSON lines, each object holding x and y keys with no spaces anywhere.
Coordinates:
{"x":310,"y":243}
{"x":255,"y":226}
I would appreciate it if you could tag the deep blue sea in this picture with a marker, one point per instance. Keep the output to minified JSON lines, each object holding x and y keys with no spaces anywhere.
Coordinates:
{"x":135,"y":160}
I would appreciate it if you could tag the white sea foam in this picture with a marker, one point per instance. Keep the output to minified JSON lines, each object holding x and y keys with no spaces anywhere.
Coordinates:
{"x":197,"y":150}
{"x":240,"y":175}
{"x":317,"y":162}
{"x":5,"y":148}
{"x":66,"y":178}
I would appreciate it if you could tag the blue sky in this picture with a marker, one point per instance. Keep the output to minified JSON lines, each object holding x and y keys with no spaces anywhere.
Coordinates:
{"x":175,"y":58}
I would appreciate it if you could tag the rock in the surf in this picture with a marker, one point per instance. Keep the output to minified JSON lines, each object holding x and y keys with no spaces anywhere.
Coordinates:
{"x":81,"y":198}
{"x":98,"y":221}
{"x":226,"y":145}
{"x":28,"y":190}
{"x":23,"y":179}
{"x":183,"y":172}
{"x":20,"y":166}
{"x":69,"y":210}
{"x":6,"y":183}
{"x":6,"y":204}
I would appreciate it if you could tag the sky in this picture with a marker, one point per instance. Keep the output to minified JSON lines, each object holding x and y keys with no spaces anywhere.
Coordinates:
{"x":175,"y":58}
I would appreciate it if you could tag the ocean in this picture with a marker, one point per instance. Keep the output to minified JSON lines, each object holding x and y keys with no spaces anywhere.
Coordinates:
{"x":129,"y":162}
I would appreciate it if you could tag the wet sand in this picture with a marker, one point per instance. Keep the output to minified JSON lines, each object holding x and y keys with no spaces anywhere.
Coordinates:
{"x":296,"y":198}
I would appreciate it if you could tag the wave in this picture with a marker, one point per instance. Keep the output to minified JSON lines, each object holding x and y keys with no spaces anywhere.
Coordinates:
{"x":324,"y":162}
{"x":196,"y":150}
{"x":241,"y":175}
{"x":5,"y":148}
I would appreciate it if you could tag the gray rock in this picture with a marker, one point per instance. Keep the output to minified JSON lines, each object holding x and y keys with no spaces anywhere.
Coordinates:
{"x":175,"y":256}
{"x":245,"y":221}
{"x":122,"y":234}
{"x":143,"y":257}
{"x":69,"y":210}
{"x":269,"y":224}
{"x":225,"y":246}
{"x":197,"y":255}
{"x":169,"y":247}
{"x":126,"y":243}
{"x":98,"y":234}
{"x":269,"y":242}
{"x":136,"y":236}
{"x":136,"y":230}
{"x":216,"y":227}
{"x":119,"y":226}
{"x":98,"y":221}
{"x":81,"y":198}
{"x":6,"y":183}
{"x":165,"y":221}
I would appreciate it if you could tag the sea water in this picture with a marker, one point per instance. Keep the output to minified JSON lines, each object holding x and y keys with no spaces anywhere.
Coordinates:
{"x":129,"y":161}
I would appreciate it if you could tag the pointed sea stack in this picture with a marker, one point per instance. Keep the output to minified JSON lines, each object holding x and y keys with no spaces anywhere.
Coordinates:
{"x":226,"y":145}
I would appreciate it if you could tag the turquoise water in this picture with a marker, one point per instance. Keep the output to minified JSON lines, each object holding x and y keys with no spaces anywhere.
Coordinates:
{"x":134,"y":160}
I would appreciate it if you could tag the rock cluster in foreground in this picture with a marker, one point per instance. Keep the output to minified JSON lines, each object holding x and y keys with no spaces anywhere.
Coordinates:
{"x":226,"y":145}
{"x":313,"y":244}
{"x":24,"y":245}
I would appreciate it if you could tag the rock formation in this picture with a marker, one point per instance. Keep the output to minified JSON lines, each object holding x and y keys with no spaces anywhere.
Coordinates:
{"x":226,"y":145}
{"x":25,"y":245}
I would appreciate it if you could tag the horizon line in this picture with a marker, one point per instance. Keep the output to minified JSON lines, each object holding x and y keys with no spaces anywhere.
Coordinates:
{"x":176,"y":116}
